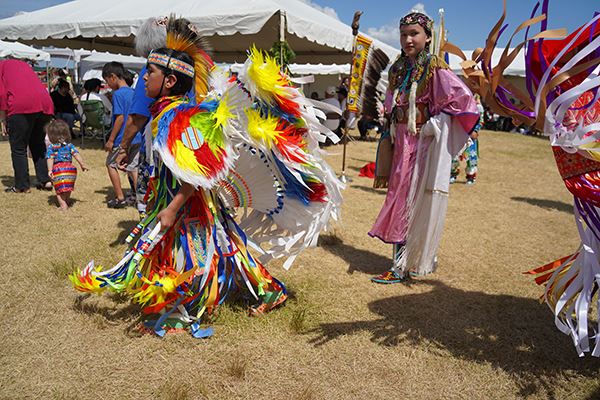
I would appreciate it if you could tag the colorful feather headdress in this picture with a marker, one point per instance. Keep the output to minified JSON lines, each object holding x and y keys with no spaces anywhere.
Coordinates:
{"x":183,"y":36}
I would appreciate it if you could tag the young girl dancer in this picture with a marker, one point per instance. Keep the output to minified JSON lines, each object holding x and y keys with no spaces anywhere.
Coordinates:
{"x":430,"y":114}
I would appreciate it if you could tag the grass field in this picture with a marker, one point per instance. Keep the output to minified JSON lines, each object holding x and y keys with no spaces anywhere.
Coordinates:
{"x":472,"y":330}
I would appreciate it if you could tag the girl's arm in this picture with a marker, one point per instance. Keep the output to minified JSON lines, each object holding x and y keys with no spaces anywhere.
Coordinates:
{"x":167,"y":216}
{"x":84,"y":167}
{"x":50,"y":164}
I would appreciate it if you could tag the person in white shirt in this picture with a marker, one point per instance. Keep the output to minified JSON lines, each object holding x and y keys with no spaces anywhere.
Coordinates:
{"x":333,"y":119}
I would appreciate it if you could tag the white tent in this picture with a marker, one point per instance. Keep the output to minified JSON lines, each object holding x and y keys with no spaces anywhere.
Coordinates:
{"x":19,"y":50}
{"x":320,"y":69}
{"x":516,"y":69}
{"x":232,"y":26}
{"x":98,"y":59}
{"x":70,"y":54}
{"x":305,"y":69}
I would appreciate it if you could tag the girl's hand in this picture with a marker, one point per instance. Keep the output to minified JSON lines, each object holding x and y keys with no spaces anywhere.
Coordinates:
{"x":166,"y":218}
{"x":474,"y":135}
{"x":50,"y":175}
{"x":84,"y":167}
{"x":108,"y":146}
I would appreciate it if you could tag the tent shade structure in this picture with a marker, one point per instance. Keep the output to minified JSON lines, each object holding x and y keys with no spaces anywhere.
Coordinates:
{"x":70,"y":54}
{"x":305,"y":69}
{"x":19,"y":50}
{"x":97,"y":60}
{"x":231,"y":26}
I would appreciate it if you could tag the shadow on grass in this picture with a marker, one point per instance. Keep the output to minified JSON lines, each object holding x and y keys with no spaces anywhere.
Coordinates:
{"x":126,"y":228}
{"x":107,"y":191}
{"x":511,"y":333}
{"x":546,"y":204}
{"x":362,"y":159}
{"x":370,"y":189}
{"x":53,"y":202}
{"x":350,"y":167}
{"x":120,"y":310}
{"x":358,"y":260}
{"x":9,"y":181}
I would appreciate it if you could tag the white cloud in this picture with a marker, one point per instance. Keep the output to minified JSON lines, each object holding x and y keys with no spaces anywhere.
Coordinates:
{"x":419,"y":7}
{"x":326,"y":10}
{"x":389,"y":34}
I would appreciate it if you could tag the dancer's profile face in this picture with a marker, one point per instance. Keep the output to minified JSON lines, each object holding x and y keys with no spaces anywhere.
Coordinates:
{"x":413,"y":39}
{"x":156,"y":83}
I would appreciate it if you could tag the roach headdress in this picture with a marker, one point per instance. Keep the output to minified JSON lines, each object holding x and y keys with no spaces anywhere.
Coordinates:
{"x":183,"y":36}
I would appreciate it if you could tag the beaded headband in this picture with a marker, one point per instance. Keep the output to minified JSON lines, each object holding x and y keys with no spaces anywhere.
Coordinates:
{"x":171,"y":63}
{"x":419,"y":19}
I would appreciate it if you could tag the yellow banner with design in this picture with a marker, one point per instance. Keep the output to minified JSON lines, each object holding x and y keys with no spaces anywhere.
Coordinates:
{"x":359,"y":63}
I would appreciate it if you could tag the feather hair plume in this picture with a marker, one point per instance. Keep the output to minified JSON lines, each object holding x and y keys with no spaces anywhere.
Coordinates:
{"x":183,"y":36}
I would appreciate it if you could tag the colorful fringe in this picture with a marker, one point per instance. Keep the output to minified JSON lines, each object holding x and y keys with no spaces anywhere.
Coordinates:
{"x":64,"y":175}
{"x":562,"y":101}
{"x":251,"y":143}
{"x":188,"y":271}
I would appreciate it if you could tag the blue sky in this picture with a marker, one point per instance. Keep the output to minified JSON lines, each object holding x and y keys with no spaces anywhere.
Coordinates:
{"x":467,"y":21}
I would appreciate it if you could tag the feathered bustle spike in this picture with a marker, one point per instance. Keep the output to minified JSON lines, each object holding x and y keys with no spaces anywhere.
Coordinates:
{"x":376,"y":63}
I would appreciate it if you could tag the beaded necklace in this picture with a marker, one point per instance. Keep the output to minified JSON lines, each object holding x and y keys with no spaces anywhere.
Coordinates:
{"x":404,"y":72}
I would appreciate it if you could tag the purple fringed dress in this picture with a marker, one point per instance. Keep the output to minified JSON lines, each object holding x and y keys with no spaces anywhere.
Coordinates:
{"x":445,"y":94}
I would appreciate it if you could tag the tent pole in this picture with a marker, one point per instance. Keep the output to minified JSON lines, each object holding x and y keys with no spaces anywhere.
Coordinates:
{"x":346,"y":128}
{"x":281,"y":35}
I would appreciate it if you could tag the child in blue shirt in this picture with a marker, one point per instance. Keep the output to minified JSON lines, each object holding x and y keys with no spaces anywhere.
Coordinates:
{"x":115,"y":76}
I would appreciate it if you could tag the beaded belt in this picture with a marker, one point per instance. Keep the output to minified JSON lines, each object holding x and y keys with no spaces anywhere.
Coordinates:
{"x":399,"y":114}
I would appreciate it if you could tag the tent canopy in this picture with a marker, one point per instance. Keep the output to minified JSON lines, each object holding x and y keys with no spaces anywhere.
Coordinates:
{"x":231,"y":26}
{"x":98,"y":59}
{"x":71,"y":54}
{"x":304,"y":69}
{"x":19,"y":50}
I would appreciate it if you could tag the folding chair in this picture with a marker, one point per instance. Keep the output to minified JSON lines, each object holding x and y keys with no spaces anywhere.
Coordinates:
{"x":94,"y":119}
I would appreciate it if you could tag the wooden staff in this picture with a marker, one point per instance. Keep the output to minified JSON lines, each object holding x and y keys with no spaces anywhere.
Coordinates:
{"x":345,"y":129}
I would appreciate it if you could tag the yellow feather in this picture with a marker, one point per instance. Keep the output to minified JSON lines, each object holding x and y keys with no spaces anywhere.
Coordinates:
{"x":158,"y":293}
{"x":223,"y":112}
{"x":187,"y":160}
{"x":263,"y":129}
{"x":266,"y":74}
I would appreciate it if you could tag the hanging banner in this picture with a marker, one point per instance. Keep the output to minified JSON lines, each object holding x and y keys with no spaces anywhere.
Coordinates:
{"x":359,"y":63}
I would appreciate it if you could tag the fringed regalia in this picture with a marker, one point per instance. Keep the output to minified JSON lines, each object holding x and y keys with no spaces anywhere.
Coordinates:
{"x":430,"y":113}
{"x":263,"y":191}
{"x":562,"y":101}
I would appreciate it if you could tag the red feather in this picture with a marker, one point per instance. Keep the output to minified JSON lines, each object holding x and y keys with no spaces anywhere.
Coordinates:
{"x":291,"y":142}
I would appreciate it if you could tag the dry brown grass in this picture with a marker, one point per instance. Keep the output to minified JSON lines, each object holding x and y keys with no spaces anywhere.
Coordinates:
{"x":472,"y":330}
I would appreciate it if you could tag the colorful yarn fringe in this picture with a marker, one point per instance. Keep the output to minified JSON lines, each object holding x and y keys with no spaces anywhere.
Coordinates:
{"x":562,"y":100}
